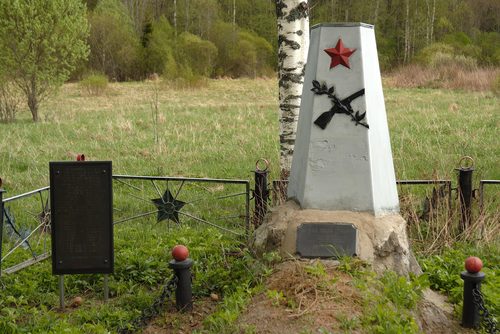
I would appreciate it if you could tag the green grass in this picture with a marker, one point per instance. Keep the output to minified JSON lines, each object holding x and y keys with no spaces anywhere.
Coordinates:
{"x":221,"y":130}
{"x":431,"y":129}
{"x":218,"y":131}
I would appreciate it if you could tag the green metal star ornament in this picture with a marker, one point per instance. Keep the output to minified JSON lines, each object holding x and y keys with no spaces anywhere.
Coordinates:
{"x":168,"y":207}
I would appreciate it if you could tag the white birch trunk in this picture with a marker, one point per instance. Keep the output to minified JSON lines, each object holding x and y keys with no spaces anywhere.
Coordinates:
{"x":407,"y":33}
{"x":293,"y":45}
{"x":175,"y":17}
{"x":433,"y":19}
{"x":427,"y":24}
{"x":234,"y":12}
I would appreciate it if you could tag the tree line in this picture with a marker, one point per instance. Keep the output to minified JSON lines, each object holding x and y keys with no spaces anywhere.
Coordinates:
{"x":46,"y":42}
{"x":416,"y":30}
{"x":130,"y":39}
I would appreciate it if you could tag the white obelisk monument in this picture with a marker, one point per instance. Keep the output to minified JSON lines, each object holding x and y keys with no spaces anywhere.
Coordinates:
{"x":343,"y":161}
{"x":342,"y":188}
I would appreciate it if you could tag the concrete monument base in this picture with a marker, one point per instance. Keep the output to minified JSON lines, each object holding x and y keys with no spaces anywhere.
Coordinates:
{"x":381,"y":240}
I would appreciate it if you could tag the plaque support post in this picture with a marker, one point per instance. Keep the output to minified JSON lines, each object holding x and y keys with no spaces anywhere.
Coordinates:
{"x":261,"y":193}
{"x":1,"y":224}
{"x":465,"y":190}
{"x":61,"y":291}
{"x":106,"y":288}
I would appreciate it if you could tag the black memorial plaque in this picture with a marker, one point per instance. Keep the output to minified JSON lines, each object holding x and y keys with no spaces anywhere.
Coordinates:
{"x":82,"y":217}
{"x":326,"y":240}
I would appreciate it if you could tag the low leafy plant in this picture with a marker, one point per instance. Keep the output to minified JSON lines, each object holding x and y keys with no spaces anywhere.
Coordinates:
{"x":443,"y":271}
{"x":277,"y":297}
{"x":352,"y":266}
{"x":316,"y":269}
{"x":389,"y":302}
{"x":224,"y":319}
{"x":348,"y":323}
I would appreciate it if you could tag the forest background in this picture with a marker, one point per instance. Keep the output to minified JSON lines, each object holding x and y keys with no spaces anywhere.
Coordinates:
{"x":421,"y":43}
{"x":132,"y":39}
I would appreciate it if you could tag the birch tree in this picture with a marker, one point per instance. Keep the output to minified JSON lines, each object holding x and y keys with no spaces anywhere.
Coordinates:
{"x":293,"y":45}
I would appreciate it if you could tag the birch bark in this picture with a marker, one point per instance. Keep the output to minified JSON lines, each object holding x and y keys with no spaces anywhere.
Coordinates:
{"x":293,"y":45}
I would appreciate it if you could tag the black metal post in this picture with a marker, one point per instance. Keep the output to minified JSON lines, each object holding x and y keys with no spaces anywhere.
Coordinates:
{"x":184,"y":292}
{"x":247,"y":210}
{"x":1,"y":224}
{"x":470,"y":311}
{"x":465,"y":193}
{"x":261,"y":195}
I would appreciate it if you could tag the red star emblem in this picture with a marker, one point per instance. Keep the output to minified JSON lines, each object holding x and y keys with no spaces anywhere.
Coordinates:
{"x":339,"y":54}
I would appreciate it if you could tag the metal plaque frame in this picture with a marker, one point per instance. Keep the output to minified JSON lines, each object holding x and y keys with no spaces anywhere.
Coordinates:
{"x":81,"y":200}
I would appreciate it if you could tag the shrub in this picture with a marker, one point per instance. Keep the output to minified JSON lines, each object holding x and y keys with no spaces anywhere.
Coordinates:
{"x":197,"y":54}
{"x":158,"y":53}
{"x":9,"y":102}
{"x":427,"y":54}
{"x":241,"y":53}
{"x":495,"y":85}
{"x":446,"y":60}
{"x":186,"y":78}
{"x":462,"y":44}
{"x":489,"y":43}
{"x":264,"y":56}
{"x":95,"y":84}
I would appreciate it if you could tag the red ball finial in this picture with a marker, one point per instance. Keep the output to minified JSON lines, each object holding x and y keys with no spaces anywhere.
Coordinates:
{"x":473,"y":264}
{"x":180,"y":253}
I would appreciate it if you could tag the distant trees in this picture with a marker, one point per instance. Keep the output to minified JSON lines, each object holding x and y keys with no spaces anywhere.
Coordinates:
{"x":131,"y":39}
{"x":158,"y":42}
{"x":41,"y":43}
{"x":114,"y":44}
{"x":152,"y":36}
{"x":406,"y":27}
{"x":240,"y":52}
{"x":196,"y":54}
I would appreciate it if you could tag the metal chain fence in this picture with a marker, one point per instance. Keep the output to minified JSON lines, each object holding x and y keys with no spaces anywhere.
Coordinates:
{"x":486,"y":318}
{"x":153,"y":310}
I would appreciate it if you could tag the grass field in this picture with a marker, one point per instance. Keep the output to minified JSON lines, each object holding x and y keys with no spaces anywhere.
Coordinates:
{"x":221,"y":130}
{"x":217,"y":131}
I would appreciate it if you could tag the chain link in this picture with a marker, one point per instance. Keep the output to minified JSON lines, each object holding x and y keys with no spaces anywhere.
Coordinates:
{"x":153,"y":310}
{"x":487,"y":319}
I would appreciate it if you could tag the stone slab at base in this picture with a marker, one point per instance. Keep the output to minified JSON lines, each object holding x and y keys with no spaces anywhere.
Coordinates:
{"x":382,"y":240}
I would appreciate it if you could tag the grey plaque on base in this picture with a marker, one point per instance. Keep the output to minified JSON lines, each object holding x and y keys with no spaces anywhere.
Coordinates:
{"x":326,"y":240}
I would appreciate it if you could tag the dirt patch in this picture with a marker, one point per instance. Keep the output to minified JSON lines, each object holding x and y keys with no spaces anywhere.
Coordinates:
{"x":316,"y":297}
{"x":307,"y":296}
{"x":303,"y":296}
{"x":435,"y":315}
{"x":182,"y":323}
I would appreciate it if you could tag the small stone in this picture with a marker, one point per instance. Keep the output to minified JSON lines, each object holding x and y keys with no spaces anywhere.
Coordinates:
{"x":77,"y":302}
{"x":214,"y":296}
